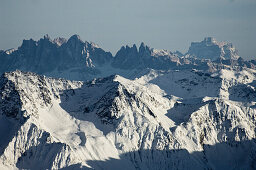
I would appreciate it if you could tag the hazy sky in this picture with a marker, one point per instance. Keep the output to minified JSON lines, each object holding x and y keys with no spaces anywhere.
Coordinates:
{"x":162,"y":24}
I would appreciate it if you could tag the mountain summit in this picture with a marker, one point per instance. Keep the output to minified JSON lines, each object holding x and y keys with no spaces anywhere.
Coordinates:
{"x":209,"y":48}
{"x":75,"y":59}
{"x":162,"y":120}
{"x":141,"y":109}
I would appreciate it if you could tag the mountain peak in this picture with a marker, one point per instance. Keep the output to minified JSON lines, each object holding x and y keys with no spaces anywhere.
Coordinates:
{"x":47,"y":37}
{"x":134,"y":46}
{"x":142,"y":45}
{"x":26,"y":44}
{"x":143,"y":48}
{"x":75,"y":38}
{"x":209,"y":40}
{"x":210,"y":48}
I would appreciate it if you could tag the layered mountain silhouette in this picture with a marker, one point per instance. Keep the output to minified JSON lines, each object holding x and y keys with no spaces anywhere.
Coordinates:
{"x":140,"y":109}
{"x":78,"y":60}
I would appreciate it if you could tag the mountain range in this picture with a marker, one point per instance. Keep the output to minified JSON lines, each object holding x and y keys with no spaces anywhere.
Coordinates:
{"x":68,"y":104}
{"x":77,"y":60}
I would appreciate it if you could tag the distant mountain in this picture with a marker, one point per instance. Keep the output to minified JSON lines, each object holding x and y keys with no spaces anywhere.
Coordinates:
{"x":146,"y":57}
{"x":51,"y":57}
{"x":140,"y":109}
{"x":77,"y":60}
{"x":209,"y":48}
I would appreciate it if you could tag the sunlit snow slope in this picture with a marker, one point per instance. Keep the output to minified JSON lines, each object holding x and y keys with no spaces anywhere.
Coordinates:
{"x":162,"y":120}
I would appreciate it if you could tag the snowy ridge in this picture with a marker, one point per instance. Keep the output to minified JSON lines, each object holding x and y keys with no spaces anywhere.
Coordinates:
{"x":162,"y":120}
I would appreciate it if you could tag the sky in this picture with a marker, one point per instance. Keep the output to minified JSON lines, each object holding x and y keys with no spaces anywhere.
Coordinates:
{"x":161,"y":24}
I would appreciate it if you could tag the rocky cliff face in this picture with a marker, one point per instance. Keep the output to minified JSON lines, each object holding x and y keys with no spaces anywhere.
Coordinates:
{"x":163,"y":120}
{"x":145,"y":57}
{"x":209,"y":48}
{"x":175,"y":112}
{"x":77,"y":60}
{"x":53,"y":57}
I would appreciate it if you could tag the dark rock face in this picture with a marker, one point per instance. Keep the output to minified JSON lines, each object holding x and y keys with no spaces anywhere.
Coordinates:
{"x":127,"y":58}
{"x":78,"y":60}
{"x":209,"y":48}
{"x":10,"y":102}
{"x":130,"y":58}
{"x":46,"y":55}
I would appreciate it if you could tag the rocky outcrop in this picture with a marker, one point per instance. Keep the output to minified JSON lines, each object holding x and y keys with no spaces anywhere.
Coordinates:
{"x":75,"y":59}
{"x":46,"y":56}
{"x":145,"y":57}
{"x":209,"y":48}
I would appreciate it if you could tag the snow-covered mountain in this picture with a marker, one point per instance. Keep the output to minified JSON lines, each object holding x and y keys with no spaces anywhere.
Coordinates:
{"x":161,"y":120}
{"x":140,"y":109}
{"x":74,"y":59}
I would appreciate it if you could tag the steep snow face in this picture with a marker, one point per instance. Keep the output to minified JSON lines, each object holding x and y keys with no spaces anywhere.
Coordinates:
{"x":209,"y":48}
{"x":48,"y":136}
{"x":72,"y":122}
{"x":114,"y":122}
{"x":184,"y":84}
{"x":198,"y":84}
